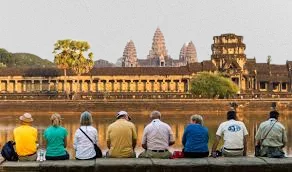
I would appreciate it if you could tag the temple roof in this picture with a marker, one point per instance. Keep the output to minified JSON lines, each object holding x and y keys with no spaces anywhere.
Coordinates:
{"x":250,"y":66}
{"x":208,"y":65}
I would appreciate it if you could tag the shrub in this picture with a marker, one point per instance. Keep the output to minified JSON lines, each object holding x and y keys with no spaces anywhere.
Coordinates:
{"x":208,"y":85}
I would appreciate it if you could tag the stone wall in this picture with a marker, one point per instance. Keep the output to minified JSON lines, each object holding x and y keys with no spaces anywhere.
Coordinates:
{"x":201,"y":105}
{"x":240,"y":164}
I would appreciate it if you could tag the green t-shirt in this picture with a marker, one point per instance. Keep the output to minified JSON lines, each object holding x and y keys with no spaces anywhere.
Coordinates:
{"x":55,"y":140}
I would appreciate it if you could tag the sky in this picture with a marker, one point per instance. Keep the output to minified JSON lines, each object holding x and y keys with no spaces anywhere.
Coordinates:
{"x":33,"y":26}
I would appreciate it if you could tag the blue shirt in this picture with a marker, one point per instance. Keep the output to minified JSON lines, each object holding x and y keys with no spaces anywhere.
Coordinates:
{"x":55,"y":137}
{"x":195,"y":138}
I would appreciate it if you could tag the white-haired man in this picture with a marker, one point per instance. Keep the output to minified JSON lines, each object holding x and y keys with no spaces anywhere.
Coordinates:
{"x":157,"y":137}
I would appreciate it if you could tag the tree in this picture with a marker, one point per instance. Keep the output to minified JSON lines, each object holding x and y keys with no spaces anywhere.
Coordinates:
{"x":6,"y":57}
{"x":209,"y":85}
{"x":69,"y":54}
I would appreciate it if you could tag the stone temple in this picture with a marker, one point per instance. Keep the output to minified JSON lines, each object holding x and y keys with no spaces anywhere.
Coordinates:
{"x":158,"y":73}
{"x":158,"y":55}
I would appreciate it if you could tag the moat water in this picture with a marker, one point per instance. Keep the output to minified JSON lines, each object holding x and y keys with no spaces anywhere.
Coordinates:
{"x":177,"y":121}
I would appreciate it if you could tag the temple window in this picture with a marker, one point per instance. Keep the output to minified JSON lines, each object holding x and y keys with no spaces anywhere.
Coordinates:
{"x":144,"y":85}
{"x":160,"y":85}
{"x":128,"y":85}
{"x":263,"y":86}
{"x":284,"y":86}
{"x":112,"y":85}
{"x":152,"y":85}
{"x":104,"y":85}
{"x":275,"y":86}
{"x":176,"y":85}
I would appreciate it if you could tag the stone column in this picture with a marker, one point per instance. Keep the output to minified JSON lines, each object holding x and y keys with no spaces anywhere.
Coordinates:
{"x":41,"y":85}
{"x":0,"y":85}
{"x":32,"y":86}
{"x":24,"y":85}
{"x":132,"y":86}
{"x":16,"y":86}
{"x":91,"y":85}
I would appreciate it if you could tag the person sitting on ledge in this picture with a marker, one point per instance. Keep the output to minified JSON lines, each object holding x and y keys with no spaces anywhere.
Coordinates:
{"x":157,"y":137}
{"x":273,"y":142}
{"x":195,"y":138}
{"x":121,"y":137}
{"x":235,"y":135}
{"x":83,"y":146}
{"x":55,"y":137}
{"x":25,"y":137}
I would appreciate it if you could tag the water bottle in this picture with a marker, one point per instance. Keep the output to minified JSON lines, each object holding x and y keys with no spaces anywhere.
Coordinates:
{"x":42,"y":155}
{"x":39,"y":155}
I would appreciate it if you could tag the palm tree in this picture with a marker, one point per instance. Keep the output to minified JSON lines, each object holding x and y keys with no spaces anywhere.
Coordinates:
{"x":69,"y":55}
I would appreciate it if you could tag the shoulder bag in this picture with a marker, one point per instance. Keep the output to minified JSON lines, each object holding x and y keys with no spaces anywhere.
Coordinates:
{"x":257,"y":151}
{"x":96,"y":148}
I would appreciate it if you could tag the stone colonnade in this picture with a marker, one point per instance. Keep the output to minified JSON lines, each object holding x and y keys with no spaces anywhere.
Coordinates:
{"x":19,"y":84}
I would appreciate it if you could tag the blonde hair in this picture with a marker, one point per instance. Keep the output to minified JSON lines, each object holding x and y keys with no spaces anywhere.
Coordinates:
{"x":197,"y":118}
{"x":56,"y":119}
{"x":85,"y":119}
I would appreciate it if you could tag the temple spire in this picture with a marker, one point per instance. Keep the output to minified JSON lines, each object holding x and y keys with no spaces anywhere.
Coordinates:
{"x":191,"y":53}
{"x":158,"y":45}
{"x":130,"y":55}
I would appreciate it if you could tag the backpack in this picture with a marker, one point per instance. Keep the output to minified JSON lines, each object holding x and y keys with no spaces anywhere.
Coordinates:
{"x":8,"y":151}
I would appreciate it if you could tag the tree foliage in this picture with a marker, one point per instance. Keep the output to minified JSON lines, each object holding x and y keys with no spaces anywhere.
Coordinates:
{"x":22,"y":60}
{"x":69,"y":54}
{"x":209,"y":85}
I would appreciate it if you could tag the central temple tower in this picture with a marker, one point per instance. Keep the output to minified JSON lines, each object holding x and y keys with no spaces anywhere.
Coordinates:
{"x":158,"y":53}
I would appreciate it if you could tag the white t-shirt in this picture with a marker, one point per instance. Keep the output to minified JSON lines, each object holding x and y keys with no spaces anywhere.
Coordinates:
{"x":233,"y":132}
{"x":83,"y":146}
{"x":157,"y":135}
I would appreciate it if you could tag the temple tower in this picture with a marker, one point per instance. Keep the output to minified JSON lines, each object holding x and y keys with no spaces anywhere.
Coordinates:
{"x":191,"y":53}
{"x":158,"y":49}
{"x":183,"y":51}
{"x":188,"y":53}
{"x":228,"y":49}
{"x":130,"y":55}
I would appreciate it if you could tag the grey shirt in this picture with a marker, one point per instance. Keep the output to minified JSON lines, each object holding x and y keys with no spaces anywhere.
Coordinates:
{"x":277,"y":137}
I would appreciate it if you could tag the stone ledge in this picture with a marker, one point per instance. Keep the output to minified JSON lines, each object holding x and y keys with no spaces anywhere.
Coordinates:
{"x":239,"y":164}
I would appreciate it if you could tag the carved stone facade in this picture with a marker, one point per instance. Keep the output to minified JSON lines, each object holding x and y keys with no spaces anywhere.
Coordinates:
{"x":158,"y":56}
{"x":229,"y":58}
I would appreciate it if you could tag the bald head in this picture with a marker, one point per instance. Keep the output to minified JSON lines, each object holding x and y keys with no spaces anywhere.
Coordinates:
{"x":155,"y":115}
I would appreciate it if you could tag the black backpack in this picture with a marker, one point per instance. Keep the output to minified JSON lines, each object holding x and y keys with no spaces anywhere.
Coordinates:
{"x":8,"y":151}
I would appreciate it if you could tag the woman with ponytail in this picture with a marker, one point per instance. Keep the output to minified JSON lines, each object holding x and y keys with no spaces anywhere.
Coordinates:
{"x":55,"y":137}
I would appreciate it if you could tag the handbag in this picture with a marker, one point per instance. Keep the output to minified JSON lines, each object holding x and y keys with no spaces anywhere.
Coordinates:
{"x":96,"y":148}
{"x":257,"y":148}
{"x":177,"y":154}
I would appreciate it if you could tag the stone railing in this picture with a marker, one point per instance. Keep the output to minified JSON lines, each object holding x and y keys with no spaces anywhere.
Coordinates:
{"x":53,"y":95}
{"x":238,"y":164}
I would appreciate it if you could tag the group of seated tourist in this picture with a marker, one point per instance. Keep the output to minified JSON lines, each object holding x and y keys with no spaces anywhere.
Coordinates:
{"x":121,"y":138}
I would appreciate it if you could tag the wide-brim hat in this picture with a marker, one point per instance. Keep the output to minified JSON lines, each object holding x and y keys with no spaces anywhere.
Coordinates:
{"x":26,"y":117}
{"x":122,"y":113}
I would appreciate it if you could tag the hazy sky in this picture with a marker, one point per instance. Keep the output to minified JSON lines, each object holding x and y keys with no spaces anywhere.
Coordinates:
{"x":35,"y":25}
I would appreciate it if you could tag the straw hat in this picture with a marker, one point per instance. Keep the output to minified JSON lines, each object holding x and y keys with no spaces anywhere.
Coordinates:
{"x":26,"y":117}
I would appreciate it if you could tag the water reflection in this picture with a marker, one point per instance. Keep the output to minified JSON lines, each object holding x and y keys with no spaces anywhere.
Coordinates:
{"x":176,"y":121}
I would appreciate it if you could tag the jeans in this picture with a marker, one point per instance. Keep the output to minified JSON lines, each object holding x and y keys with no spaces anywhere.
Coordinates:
{"x":62,"y":157}
{"x":196,"y":154}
